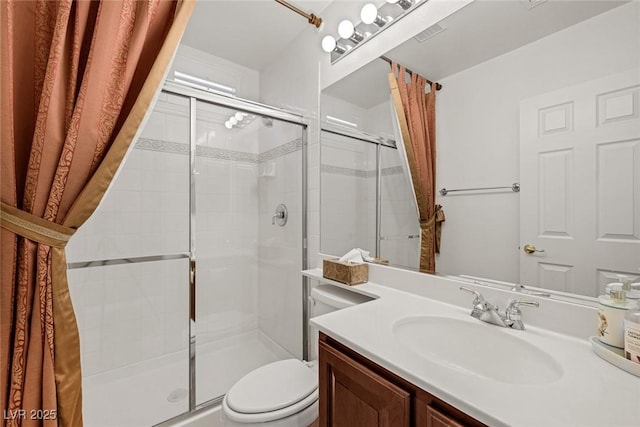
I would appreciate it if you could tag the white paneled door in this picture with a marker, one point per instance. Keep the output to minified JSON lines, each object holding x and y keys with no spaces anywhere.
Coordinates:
{"x":580,"y":180}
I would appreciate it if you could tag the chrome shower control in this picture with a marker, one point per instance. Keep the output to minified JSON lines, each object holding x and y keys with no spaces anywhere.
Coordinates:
{"x":281,"y":215}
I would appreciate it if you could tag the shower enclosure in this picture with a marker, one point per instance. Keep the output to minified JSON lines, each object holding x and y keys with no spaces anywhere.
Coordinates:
{"x":183,"y":281}
{"x":365,"y":197}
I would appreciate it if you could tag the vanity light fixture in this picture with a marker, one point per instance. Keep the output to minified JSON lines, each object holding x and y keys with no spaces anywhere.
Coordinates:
{"x":347,"y":30}
{"x":369,"y":15}
{"x":329,"y":45}
{"x":373,"y":19}
{"x":404,"y":4}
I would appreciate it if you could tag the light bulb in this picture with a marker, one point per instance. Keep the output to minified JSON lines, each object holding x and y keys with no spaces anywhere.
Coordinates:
{"x":228,"y":125}
{"x":239,"y":116}
{"x":233,"y":121}
{"x":369,"y":13}
{"x":346,"y":29}
{"x":328,"y":44}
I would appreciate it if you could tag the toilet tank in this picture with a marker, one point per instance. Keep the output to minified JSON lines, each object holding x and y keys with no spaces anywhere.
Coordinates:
{"x":324,"y":299}
{"x":327,"y":298}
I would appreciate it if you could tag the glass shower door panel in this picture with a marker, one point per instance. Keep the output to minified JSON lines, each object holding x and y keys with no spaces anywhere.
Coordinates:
{"x":399,"y":226}
{"x":226,"y":227}
{"x":146,"y":209}
{"x":348,"y":194}
{"x":132,"y":313}
{"x":244,"y":165}
{"x":133,"y":324}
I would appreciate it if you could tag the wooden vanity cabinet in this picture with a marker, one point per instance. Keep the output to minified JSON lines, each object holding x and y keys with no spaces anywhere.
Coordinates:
{"x":354,"y":391}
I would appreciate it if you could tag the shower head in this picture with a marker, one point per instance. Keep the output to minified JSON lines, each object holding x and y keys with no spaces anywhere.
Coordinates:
{"x":268,"y":122}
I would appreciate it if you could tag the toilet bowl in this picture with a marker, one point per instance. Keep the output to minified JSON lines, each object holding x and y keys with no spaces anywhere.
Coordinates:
{"x":285,"y":393}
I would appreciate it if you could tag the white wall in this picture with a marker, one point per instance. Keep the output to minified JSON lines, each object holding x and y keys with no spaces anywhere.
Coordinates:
{"x":478,"y":133}
{"x":206,"y":66}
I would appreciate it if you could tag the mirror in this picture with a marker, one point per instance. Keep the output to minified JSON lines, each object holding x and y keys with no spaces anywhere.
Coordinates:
{"x":540,"y":93}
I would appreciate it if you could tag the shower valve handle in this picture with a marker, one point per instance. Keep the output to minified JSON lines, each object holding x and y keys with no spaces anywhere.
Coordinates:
{"x":280,"y":216}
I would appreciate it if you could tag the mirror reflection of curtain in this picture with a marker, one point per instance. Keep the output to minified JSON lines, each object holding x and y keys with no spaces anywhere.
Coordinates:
{"x":77,"y":81}
{"x":415,"y":114}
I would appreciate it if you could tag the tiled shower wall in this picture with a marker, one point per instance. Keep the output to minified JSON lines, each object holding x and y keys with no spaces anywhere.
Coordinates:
{"x":280,"y":247}
{"x":348,"y":175}
{"x":134,"y":312}
{"x":348,"y":193}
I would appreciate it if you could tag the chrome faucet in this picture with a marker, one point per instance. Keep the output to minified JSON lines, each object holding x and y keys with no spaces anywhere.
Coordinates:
{"x":488,"y":312}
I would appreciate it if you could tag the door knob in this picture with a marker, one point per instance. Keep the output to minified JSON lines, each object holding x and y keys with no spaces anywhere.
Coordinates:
{"x":529,"y":249}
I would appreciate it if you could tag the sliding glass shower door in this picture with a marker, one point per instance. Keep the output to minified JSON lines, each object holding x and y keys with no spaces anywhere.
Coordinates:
{"x":187,"y":276}
{"x":128,"y":278}
{"x":246,"y":165}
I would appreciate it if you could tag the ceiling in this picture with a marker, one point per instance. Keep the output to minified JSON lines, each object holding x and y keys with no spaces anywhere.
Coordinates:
{"x":480,"y":31}
{"x":248,"y":32}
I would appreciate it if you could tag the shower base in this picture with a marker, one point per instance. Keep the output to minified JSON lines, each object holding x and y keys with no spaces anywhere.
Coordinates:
{"x":147,"y":393}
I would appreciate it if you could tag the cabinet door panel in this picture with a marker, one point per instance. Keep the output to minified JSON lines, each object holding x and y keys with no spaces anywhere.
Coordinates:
{"x":351,"y":395}
{"x":436,"y":418}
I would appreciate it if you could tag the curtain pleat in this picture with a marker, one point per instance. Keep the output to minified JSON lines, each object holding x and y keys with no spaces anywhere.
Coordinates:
{"x":77,"y":78}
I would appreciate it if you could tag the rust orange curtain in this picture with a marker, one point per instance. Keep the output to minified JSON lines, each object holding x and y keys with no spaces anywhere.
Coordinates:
{"x":77,"y":78}
{"x":416,"y":115}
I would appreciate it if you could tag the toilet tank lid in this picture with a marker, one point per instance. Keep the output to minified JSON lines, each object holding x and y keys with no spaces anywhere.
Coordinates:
{"x":272,"y":387}
{"x":337,"y":297}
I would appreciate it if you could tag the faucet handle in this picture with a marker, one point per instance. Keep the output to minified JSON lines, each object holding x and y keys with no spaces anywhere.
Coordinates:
{"x":513,"y":313}
{"x":480,"y":305}
{"x":479,"y":298}
{"x":513,"y":304}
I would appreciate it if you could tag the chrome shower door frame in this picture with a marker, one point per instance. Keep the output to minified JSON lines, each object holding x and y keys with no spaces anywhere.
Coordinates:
{"x":214,"y":98}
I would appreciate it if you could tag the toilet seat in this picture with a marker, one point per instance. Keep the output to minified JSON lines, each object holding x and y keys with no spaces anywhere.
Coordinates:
{"x":272,"y":392}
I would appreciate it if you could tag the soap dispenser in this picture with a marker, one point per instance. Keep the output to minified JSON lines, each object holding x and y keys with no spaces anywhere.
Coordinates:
{"x":632,"y":329}
{"x":611,"y":312}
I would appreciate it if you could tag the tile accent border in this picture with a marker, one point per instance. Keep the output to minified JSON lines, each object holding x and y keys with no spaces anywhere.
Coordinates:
{"x":393,"y":170}
{"x":158,"y":145}
{"x":222,"y":154}
{"x":337,"y":170}
{"x":219,"y":153}
{"x":359,"y":173}
{"x":281,"y":150}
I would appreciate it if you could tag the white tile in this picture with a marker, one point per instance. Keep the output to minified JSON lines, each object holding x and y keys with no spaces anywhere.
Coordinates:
{"x":177,"y":129}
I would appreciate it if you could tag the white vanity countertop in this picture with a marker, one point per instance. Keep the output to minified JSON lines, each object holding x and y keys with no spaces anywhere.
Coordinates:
{"x":590,"y":392}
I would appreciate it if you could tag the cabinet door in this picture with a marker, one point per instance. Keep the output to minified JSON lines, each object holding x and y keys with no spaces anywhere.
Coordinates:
{"x":436,"y":418}
{"x":352,"y":395}
{"x":428,"y":416}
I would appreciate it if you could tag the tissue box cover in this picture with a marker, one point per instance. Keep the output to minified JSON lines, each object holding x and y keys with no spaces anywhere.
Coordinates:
{"x":345,"y":272}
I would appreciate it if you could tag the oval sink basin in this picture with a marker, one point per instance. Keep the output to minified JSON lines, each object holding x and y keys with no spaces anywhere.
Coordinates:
{"x":477,"y":348}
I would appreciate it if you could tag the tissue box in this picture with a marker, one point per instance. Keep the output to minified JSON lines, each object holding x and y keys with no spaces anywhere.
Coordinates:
{"x":345,"y":272}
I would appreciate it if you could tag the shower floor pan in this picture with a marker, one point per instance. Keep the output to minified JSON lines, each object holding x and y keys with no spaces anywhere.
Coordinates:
{"x":147,"y":393}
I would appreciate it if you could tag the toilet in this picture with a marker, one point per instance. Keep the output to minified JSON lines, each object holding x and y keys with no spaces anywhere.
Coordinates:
{"x":285,"y":393}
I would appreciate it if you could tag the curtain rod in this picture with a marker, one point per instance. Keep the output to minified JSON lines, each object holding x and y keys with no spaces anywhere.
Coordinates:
{"x":384,"y":58}
{"x":311,"y":18}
